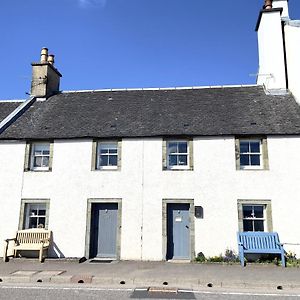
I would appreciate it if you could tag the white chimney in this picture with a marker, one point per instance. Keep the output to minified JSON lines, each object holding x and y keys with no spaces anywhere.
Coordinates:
{"x":271,"y":50}
{"x":285,"y":8}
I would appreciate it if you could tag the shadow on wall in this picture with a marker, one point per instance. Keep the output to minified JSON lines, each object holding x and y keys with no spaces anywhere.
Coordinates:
{"x":54,"y":251}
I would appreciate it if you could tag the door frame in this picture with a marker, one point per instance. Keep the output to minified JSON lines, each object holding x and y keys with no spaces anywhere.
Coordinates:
{"x":90,"y":203}
{"x":165,"y":203}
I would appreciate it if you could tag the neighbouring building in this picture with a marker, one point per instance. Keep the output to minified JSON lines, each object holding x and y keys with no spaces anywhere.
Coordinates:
{"x":155,"y":174}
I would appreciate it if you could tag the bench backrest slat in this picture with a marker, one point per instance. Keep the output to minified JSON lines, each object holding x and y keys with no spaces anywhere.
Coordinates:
{"x":259,"y":240}
{"x":32,"y":236}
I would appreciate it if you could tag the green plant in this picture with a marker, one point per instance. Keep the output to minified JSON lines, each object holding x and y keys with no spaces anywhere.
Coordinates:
{"x":229,"y":256}
{"x":200,"y":257}
{"x":218,"y":258}
{"x":292,"y":260}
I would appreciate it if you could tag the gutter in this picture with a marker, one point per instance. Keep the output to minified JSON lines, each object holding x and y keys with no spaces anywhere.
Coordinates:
{"x":16,"y":113}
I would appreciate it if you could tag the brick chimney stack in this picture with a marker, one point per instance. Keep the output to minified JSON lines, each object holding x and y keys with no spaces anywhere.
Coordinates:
{"x":45,"y":77}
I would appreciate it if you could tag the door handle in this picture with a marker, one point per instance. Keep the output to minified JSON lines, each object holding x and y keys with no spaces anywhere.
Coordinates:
{"x":187,"y":226}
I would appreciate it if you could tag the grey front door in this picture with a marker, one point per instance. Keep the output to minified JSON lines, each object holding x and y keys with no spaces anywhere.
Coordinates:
{"x":104,"y":225}
{"x":178,"y":231}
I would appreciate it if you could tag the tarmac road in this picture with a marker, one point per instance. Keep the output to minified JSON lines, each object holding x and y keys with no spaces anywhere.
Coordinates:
{"x":56,"y":292}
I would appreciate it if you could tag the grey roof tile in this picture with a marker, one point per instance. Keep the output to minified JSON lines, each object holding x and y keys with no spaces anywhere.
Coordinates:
{"x":147,"y":113}
{"x":7,"y":107}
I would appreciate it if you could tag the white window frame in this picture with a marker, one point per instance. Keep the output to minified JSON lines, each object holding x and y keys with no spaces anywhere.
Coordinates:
{"x":25,"y":209}
{"x":178,"y":167}
{"x":253,"y":218}
{"x":98,"y":155}
{"x":33,"y":156}
{"x":252,"y":167}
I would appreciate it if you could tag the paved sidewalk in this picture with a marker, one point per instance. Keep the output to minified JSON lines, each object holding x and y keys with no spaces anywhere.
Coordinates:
{"x":132,"y":274}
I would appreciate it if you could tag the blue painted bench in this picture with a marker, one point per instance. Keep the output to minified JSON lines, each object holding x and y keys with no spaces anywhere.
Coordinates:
{"x":259,"y":243}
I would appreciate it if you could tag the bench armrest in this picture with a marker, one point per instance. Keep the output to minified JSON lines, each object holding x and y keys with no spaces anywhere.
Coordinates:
{"x":8,"y":240}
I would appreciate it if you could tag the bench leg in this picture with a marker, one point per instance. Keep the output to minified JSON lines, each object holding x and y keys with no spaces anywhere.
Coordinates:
{"x":283,"y":259}
{"x":242,"y":256}
{"x":5,"y":258}
{"x":41,"y":255}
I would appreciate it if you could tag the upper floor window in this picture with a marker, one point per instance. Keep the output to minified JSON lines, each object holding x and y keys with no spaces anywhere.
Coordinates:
{"x":38,"y":156}
{"x":251,"y":154}
{"x":107,"y":155}
{"x":177,"y":155}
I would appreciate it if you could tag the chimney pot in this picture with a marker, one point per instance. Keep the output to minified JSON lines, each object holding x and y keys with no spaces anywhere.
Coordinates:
{"x":51,"y":59}
{"x":44,"y":55}
{"x":268,"y":4}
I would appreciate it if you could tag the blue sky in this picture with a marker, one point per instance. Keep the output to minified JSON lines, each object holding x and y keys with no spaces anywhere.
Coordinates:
{"x":130,"y":43}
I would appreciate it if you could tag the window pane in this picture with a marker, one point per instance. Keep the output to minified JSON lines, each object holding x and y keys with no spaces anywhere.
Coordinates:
{"x":248,"y":225}
{"x":104,"y":160}
{"x":37,"y":161}
{"x":259,"y":225}
{"x":182,"y":160}
{"x":113,"y":160}
{"x":173,"y":160}
{"x":172,"y":147}
{"x":255,"y":160}
{"x":113,"y":151}
{"x":244,"y":160}
{"x":46,"y":152}
{"x":41,"y":147}
{"x":33,"y":212}
{"x":247,"y":211}
{"x":41,"y":222}
{"x":255,"y":147}
{"x":37,"y":152}
{"x":45,"y":161}
{"x":33,"y":222}
{"x":258,"y":211}
{"x":244,"y":147}
{"x":42,"y":212}
{"x":182,"y":147}
{"x":103,"y":151}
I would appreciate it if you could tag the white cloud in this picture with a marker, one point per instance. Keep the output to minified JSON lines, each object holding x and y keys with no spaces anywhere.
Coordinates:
{"x":92,"y":3}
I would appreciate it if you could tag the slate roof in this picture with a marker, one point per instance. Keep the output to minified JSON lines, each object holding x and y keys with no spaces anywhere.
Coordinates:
{"x":6,"y":107}
{"x":147,"y":113}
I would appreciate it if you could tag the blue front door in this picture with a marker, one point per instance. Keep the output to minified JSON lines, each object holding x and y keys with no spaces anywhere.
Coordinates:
{"x":104,"y":230}
{"x":178,"y":231}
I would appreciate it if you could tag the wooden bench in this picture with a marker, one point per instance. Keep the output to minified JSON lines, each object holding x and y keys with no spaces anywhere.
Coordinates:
{"x":29,"y":239}
{"x":259,"y":243}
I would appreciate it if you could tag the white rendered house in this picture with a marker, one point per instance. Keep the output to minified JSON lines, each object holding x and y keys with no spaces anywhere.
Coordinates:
{"x":156,"y":174}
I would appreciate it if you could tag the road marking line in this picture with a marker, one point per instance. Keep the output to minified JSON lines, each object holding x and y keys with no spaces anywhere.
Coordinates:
{"x":240,"y":293}
{"x":64,"y":288}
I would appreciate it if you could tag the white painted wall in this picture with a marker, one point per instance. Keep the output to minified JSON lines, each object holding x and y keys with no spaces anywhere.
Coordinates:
{"x":292,"y":36}
{"x":215,"y":184}
{"x":11,"y":178}
{"x":271,"y":52}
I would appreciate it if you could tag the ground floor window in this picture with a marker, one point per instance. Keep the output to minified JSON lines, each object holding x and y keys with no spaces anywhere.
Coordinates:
{"x":255,"y":215}
{"x":34,"y":214}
